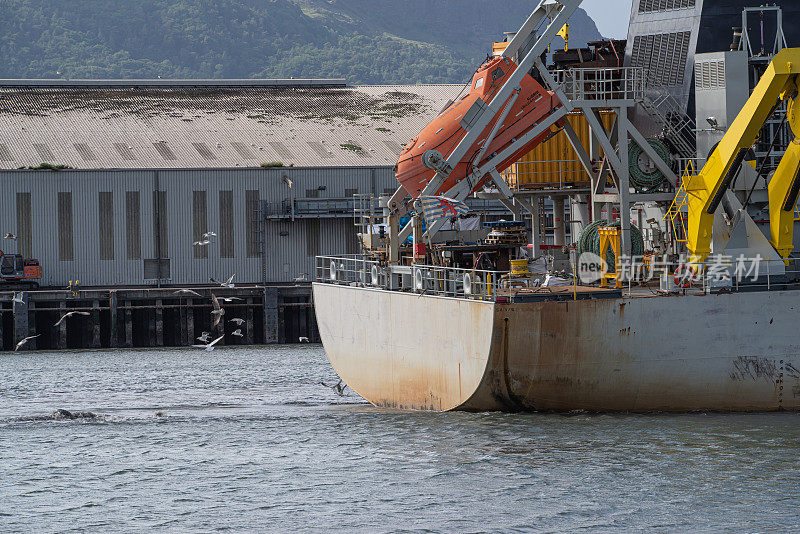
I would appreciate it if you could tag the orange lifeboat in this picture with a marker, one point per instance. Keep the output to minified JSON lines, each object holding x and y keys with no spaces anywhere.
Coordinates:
{"x":445,"y":132}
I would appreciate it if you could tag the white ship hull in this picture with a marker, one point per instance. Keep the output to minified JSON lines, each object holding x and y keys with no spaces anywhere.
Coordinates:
{"x":730,"y":352}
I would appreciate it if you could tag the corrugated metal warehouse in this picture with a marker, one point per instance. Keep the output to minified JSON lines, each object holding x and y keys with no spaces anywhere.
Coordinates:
{"x":158,"y":163}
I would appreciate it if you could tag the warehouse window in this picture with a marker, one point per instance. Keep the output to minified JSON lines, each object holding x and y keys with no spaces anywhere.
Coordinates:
{"x":125,"y":151}
{"x":321,"y":150}
{"x":313,"y":242}
{"x":312,"y":193}
{"x":65,"y":242}
{"x":350,"y":193}
{"x":199,"y":223}
{"x":394,"y":146}
{"x":160,"y":230}
{"x":5,"y":153}
{"x":164,"y":151}
{"x":133,"y":226}
{"x":252,"y":215}
{"x":243,"y":150}
{"x":281,"y":149}
{"x":106,"y":223}
{"x":85,"y":152}
{"x":203,"y":150}
{"x":226,"y":249}
{"x":24,"y":224}
{"x":44,"y":151}
{"x":663,"y":57}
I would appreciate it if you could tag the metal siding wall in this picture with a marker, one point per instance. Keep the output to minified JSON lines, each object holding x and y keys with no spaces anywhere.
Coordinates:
{"x":200,"y":223}
{"x":106,"y":224}
{"x":24,"y":226}
{"x":287,"y":255}
{"x":133,"y":225}
{"x":226,"y":220}
{"x":66,"y":246}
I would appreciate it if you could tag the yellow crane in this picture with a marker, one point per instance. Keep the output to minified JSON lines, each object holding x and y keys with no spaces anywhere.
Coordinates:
{"x":705,"y":190}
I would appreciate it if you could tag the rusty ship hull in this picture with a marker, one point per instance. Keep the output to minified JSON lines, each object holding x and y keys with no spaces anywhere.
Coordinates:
{"x":728,"y":352}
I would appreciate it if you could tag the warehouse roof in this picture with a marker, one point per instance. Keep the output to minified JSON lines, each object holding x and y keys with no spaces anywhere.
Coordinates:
{"x":210,"y":123}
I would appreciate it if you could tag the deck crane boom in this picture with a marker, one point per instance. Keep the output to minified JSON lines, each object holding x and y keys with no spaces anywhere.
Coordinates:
{"x":707,"y":189}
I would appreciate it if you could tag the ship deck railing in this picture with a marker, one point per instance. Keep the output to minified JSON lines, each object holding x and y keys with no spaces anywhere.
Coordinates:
{"x":363,"y":271}
{"x":475,"y":284}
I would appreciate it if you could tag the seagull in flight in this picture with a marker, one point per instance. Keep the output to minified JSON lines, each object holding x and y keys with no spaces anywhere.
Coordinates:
{"x":9,"y":236}
{"x":209,"y":346}
{"x":217,"y":312}
{"x":204,"y":337}
{"x":187,"y":292}
{"x":238,"y":321}
{"x":238,"y":332}
{"x":203,"y":243}
{"x":17,"y":298}
{"x":229,"y":299}
{"x":338,"y":388}
{"x":303,"y":339}
{"x":228,"y":283}
{"x":70,"y":314}
{"x":302,"y":278}
{"x":209,"y":235}
{"x":21,"y":343}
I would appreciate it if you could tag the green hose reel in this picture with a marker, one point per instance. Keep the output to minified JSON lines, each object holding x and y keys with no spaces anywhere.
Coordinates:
{"x":645,"y":176}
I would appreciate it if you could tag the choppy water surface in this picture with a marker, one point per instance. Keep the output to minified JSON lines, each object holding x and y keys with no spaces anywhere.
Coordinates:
{"x":247,"y":440}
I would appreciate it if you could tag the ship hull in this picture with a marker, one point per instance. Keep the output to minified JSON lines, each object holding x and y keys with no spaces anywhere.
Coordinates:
{"x":732,"y":352}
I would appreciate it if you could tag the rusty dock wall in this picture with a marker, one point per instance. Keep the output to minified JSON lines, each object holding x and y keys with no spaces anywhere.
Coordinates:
{"x":149,"y":317}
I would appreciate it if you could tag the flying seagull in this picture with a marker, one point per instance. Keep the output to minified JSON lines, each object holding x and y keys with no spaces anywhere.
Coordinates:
{"x":238,"y":332}
{"x":303,"y":339}
{"x":209,"y":346}
{"x":338,"y":388}
{"x":9,"y":236}
{"x":228,"y":283}
{"x":229,"y":299}
{"x":238,"y":321}
{"x":202,"y":243}
{"x":217,"y":312}
{"x":17,"y":298}
{"x":209,"y":235}
{"x":21,"y":343}
{"x":70,"y":314}
{"x":187,"y":292}
{"x":302,"y":278}
{"x":204,"y":337}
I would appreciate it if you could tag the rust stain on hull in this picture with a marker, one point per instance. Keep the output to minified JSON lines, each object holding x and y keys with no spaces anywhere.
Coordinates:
{"x":638,"y":355}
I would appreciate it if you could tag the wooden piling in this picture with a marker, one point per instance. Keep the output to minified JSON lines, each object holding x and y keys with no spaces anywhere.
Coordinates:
{"x":128,"y":325}
{"x":113,"y":303}
{"x":21,"y":322}
{"x":95,"y":324}
{"x":159,"y":323}
{"x":248,"y":333}
{"x":190,"y":337}
{"x":270,"y":315}
{"x":61,"y":343}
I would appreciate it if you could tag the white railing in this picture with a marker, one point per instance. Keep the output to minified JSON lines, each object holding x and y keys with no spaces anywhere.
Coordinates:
{"x":361,"y":271}
{"x":617,"y":83}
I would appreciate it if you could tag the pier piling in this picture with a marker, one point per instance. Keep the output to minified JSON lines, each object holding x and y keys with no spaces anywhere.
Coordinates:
{"x":154,"y":317}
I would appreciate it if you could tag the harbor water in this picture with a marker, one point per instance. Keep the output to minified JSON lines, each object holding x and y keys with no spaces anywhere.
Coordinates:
{"x":246,"y":439}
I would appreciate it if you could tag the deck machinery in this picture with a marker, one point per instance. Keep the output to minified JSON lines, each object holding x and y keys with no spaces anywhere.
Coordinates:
{"x":415,"y":334}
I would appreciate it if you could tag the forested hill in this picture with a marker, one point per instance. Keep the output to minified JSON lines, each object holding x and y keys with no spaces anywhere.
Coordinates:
{"x":364,"y":41}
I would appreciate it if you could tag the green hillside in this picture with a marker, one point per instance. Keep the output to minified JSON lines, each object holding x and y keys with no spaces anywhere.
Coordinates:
{"x":364,"y":41}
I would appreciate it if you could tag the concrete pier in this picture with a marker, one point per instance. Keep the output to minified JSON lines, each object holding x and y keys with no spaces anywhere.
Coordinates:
{"x":155,"y":317}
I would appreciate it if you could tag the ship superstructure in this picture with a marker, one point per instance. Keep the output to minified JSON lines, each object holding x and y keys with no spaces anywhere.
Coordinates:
{"x":678,"y":294}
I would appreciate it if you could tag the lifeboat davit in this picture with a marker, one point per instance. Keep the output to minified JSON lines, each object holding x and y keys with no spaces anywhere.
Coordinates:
{"x":445,"y":131}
